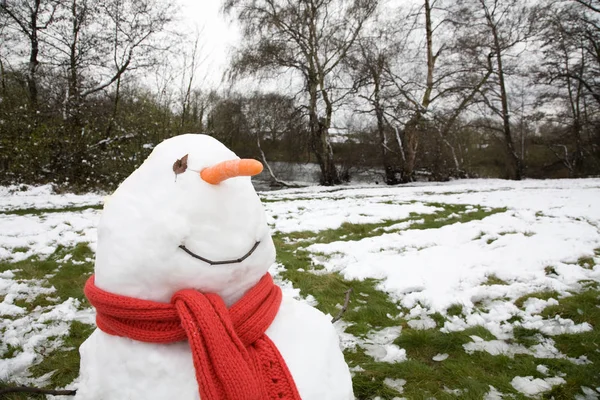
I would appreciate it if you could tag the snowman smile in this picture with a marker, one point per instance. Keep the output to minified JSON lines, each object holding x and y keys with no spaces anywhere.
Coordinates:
{"x":211,"y":262}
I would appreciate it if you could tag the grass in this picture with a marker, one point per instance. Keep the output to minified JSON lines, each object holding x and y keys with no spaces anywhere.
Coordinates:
{"x":586,"y":262}
{"x":68,"y":278}
{"x":526,"y":337}
{"x":370,"y":310}
{"x":546,"y":295}
{"x":329,"y":290}
{"x":454,"y":310}
{"x":41,"y":211}
{"x":64,"y":362}
{"x":471,"y":373}
{"x":494,"y":280}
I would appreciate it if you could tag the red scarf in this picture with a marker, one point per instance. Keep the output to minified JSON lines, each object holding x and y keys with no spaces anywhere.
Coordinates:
{"x":233,"y":358}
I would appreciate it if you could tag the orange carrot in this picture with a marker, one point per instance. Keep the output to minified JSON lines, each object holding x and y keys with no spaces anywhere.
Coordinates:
{"x":230,"y":169}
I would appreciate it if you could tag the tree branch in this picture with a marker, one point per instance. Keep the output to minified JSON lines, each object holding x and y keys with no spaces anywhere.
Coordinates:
{"x":25,"y":389}
{"x":344,"y":308}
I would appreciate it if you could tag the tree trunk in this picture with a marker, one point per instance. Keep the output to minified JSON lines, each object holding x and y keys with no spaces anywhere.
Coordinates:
{"x":390,"y":170}
{"x":411,"y":143}
{"x":320,"y":142}
{"x":274,"y":178}
{"x":33,"y":58}
{"x":515,"y":165}
{"x":75,"y":127}
{"x":115,"y":109}
{"x":324,"y":154}
{"x":411,"y":130}
{"x":575,"y":100}
{"x":2,"y":78}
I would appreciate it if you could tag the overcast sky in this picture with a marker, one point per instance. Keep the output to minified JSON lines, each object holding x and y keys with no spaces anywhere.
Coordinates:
{"x":219,"y":34}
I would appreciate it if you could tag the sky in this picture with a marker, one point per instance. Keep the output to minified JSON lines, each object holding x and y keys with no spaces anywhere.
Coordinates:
{"x":219,"y":34}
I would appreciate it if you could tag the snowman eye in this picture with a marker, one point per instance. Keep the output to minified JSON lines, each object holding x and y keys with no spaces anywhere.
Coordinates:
{"x":180,"y":166}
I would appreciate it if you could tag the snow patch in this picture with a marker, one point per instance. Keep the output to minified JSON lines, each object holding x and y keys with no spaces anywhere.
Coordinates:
{"x":530,"y":386}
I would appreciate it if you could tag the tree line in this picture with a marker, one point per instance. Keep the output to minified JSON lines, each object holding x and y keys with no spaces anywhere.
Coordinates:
{"x":433,"y":89}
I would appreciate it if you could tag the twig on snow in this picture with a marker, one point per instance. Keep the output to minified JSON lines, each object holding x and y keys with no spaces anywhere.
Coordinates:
{"x":344,"y":308}
{"x":25,"y":389}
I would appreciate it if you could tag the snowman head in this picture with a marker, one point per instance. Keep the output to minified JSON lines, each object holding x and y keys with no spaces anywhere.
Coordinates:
{"x":184,"y":219}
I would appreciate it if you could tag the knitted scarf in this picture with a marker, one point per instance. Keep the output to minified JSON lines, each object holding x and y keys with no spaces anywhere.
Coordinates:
{"x":233,"y":358}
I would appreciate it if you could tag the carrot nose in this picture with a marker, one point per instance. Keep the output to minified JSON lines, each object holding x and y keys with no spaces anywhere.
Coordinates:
{"x":230,"y":169}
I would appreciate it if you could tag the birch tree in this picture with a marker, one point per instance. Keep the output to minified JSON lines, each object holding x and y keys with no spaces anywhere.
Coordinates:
{"x":310,"y":38}
{"x":500,"y":30}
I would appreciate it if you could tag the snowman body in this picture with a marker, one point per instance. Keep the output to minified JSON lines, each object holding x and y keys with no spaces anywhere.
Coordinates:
{"x":144,"y":225}
{"x":120,"y":368}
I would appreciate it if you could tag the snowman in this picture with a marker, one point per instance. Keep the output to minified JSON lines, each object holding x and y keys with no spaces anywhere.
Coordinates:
{"x":185,"y":306}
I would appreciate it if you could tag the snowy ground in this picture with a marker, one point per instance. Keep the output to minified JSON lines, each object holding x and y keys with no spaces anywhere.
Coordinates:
{"x":531,"y":239}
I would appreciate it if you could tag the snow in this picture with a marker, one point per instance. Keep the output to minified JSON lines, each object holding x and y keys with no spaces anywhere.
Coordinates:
{"x":588,"y":394}
{"x":40,"y":235}
{"x":547,"y":225}
{"x":542,"y":369}
{"x":37,"y":332}
{"x":20,"y":197}
{"x":318,"y":215}
{"x":493,"y":394}
{"x":440,"y":357}
{"x":448,"y":265}
{"x":533,"y":387}
{"x":378,"y":344}
{"x":396,"y":384}
{"x":144,"y":224}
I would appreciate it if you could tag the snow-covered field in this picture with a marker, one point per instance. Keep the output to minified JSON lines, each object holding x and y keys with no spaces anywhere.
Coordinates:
{"x":531,"y":239}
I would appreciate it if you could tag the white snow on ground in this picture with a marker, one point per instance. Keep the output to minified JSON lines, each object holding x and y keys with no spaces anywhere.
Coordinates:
{"x":42,"y":234}
{"x":19,"y":197}
{"x":445,"y":266}
{"x":548,"y":226}
{"x":317,"y":215}
{"x":34,"y":333}
{"x":534,"y":387}
{"x":396,"y":384}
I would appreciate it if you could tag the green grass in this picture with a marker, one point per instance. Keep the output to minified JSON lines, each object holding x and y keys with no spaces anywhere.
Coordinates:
{"x":550,"y":270}
{"x":447,"y":214}
{"x":426,"y":378}
{"x":41,"y":211}
{"x":64,"y":362}
{"x":447,"y":217}
{"x":369,"y":311}
{"x":526,"y":337}
{"x":68,"y":278}
{"x":539,"y":295}
{"x":329,"y":290}
{"x":474,"y":372}
{"x":455,"y":310}
{"x":586,"y":262}
{"x":494,"y":280}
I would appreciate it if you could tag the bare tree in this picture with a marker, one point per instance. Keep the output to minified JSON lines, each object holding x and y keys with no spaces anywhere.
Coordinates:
{"x":93,"y":45}
{"x":569,"y":73}
{"x":192,"y":104}
{"x":422,"y":91}
{"x":271,"y":117}
{"x":310,"y":37}
{"x":3,"y":44}
{"x":369,"y":66}
{"x":501,"y":30}
{"x":589,"y":32}
{"x":30,"y":18}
